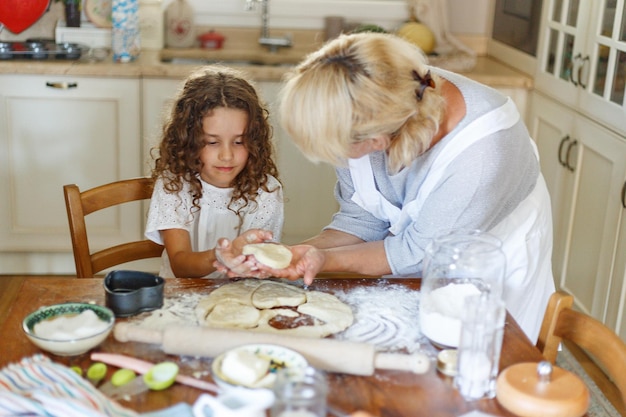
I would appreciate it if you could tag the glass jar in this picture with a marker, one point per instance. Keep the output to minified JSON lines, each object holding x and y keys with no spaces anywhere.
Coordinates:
{"x":456,"y":265}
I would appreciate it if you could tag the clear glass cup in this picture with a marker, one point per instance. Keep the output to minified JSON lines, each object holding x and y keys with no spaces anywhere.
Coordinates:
{"x":300,"y":393}
{"x":457,"y":264}
{"x":482,"y":329}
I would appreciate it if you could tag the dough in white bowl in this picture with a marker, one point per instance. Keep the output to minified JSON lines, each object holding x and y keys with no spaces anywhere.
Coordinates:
{"x":274,"y":255}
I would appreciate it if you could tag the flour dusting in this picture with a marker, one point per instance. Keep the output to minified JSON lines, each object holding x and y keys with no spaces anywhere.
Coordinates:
{"x":385,"y":316}
{"x":176,"y":310}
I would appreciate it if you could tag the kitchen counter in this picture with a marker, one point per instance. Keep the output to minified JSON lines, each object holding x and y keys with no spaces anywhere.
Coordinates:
{"x":149,"y":65}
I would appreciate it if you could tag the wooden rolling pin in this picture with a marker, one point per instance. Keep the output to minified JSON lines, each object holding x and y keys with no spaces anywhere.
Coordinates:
{"x":327,"y":354}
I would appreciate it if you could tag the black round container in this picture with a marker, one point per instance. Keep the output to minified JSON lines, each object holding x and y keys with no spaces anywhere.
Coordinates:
{"x":6,"y":50}
{"x":131,"y":292}
{"x":68,"y":51}
{"x":37,"y":50}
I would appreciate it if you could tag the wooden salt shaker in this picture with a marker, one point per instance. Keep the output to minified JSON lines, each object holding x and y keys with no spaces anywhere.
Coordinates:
{"x":541,"y":390}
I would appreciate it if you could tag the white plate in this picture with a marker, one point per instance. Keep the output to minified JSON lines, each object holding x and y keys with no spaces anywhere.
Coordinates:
{"x":279,"y":356}
{"x":99,"y":12}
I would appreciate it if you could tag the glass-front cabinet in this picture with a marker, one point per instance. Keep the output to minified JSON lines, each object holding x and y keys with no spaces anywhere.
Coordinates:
{"x":582,"y":57}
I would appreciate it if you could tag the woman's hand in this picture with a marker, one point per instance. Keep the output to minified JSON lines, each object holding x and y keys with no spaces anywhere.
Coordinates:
{"x":232,"y":262}
{"x":307,"y":262}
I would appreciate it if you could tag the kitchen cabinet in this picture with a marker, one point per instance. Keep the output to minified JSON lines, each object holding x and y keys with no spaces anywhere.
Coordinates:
{"x":577,"y":117}
{"x":585,"y":169}
{"x":582,"y":57}
{"x":56,"y":130}
{"x":308,"y":187}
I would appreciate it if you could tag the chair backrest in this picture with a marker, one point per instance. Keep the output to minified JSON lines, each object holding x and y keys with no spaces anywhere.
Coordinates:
{"x":80,"y":204}
{"x":562,"y":322}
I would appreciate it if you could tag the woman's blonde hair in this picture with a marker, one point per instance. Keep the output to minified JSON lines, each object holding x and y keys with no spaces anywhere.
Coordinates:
{"x":358,"y":87}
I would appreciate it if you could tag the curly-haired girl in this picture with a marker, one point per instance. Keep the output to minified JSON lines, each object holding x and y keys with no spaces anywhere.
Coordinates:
{"x":214,"y":175}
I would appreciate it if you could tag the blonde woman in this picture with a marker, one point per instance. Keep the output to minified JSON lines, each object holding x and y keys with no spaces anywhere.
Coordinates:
{"x":418,"y":151}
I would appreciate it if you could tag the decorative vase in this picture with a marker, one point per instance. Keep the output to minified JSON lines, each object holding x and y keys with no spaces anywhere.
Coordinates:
{"x":72,"y":13}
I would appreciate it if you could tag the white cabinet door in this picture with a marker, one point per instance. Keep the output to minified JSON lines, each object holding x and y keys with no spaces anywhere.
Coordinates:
{"x":550,"y":125}
{"x":157,"y":98}
{"x":585,"y":168}
{"x":56,"y":130}
{"x":562,"y":42}
{"x":308,"y":188}
{"x":582,"y":57}
{"x":601,"y":169}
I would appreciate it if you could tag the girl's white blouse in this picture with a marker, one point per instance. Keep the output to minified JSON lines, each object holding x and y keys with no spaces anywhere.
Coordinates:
{"x":213,"y":220}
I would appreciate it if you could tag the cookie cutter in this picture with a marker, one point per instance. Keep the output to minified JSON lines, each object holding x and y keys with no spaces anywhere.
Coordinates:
{"x":131,"y":292}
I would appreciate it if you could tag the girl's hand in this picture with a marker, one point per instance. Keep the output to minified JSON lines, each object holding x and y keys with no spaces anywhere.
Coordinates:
{"x":232,"y":262}
{"x":307,"y":261}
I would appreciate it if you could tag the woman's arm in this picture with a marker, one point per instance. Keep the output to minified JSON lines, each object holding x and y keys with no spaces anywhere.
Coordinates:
{"x":337,"y":252}
{"x":331,"y":238}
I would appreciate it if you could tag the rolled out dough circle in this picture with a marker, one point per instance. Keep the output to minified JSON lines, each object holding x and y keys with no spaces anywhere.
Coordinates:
{"x":233,"y":306}
{"x":274,"y":255}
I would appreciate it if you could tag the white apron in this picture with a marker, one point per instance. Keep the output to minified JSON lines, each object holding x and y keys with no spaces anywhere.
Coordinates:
{"x":526,"y":233}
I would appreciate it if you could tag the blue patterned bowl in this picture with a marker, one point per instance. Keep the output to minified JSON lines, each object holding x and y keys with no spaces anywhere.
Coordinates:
{"x":78,"y":330}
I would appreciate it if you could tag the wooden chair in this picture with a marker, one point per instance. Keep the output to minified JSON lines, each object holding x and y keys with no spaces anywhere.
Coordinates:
{"x":604,"y":346}
{"x":80,"y":204}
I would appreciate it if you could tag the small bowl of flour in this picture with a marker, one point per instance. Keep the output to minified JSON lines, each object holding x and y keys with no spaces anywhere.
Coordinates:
{"x":69,"y":329}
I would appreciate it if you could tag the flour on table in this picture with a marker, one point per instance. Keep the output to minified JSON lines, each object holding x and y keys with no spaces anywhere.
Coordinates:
{"x":385,"y":315}
{"x":175,"y":310}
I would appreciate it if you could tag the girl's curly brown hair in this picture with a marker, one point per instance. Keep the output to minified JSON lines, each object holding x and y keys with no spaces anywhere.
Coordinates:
{"x":178,"y":157}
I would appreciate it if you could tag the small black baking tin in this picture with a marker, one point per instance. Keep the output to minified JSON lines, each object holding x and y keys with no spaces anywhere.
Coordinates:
{"x":132,"y":292}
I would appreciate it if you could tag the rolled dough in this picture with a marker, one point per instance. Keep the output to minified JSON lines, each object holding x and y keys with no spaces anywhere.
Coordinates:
{"x":234,"y":305}
{"x":274,"y":255}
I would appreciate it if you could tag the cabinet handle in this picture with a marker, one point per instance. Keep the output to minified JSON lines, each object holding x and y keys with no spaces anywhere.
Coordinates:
{"x":61,"y":85}
{"x":569,"y":149}
{"x":561,"y":160}
{"x":624,"y":195}
{"x":585,"y":61}
{"x":572,"y":69}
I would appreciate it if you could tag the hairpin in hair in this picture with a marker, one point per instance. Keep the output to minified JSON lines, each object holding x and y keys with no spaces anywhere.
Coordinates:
{"x":425,"y":81}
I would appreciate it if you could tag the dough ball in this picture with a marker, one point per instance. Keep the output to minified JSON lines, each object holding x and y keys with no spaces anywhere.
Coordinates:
{"x":273,"y":255}
{"x":244,"y":367}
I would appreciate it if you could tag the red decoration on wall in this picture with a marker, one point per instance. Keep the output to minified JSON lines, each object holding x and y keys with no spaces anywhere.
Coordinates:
{"x":19,"y":15}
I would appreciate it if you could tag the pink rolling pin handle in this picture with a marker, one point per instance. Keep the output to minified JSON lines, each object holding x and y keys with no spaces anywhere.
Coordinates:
{"x":126,"y":332}
{"x":121,"y":361}
{"x":142,"y":367}
{"x":418,"y":363}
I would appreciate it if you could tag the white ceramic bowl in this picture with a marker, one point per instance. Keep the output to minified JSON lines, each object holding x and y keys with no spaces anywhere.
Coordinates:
{"x":279,"y":357}
{"x":69,"y":345}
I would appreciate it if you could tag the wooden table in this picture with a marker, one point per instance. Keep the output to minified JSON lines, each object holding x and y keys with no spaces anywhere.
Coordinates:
{"x":385,"y":394}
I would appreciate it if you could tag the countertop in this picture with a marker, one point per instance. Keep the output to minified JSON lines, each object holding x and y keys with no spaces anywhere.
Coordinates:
{"x":149,"y":65}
